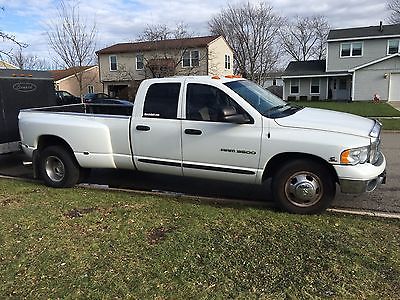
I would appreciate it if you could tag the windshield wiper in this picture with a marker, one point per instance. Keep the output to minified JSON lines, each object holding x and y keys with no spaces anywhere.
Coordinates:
{"x":270,"y":110}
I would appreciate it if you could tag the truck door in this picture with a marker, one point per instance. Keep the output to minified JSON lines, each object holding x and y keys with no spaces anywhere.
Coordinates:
{"x":156,"y":129}
{"x":212,"y":147}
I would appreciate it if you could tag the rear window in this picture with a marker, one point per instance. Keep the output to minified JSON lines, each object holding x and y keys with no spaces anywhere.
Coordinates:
{"x":162,"y":101}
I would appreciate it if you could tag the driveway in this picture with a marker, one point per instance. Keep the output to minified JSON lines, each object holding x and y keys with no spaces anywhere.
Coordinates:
{"x":385,"y":199}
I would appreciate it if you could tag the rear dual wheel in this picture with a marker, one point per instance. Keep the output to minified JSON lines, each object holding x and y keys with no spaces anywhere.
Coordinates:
{"x":58,"y":167}
{"x":303,"y":187}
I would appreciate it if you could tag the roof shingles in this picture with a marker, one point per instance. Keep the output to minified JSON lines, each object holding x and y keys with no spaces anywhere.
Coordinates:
{"x":157,"y":45}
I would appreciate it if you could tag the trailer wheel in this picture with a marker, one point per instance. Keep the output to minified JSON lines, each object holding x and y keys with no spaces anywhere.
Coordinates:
{"x":303,"y":187}
{"x":58,"y":167}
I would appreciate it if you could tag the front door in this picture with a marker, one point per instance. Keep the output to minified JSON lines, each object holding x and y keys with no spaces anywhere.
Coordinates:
{"x":156,"y":130}
{"x":213,"y":148}
{"x":394,"y":93}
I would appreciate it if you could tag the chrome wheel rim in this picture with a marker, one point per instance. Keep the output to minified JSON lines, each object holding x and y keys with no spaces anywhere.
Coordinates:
{"x":55,"y":169}
{"x":303,"y":189}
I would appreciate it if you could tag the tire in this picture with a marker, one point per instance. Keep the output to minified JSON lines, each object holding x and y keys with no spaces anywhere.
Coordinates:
{"x":58,"y":167}
{"x":303,"y":187}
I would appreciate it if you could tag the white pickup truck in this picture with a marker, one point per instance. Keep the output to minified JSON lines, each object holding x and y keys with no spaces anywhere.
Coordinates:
{"x":210,"y":127}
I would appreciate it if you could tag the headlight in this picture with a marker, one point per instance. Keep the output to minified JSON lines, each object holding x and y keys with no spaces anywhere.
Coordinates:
{"x":355,"y":156}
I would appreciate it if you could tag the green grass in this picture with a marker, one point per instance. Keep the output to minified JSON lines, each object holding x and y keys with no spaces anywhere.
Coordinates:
{"x":79,"y":243}
{"x":390,"y":124}
{"x":365,"y":108}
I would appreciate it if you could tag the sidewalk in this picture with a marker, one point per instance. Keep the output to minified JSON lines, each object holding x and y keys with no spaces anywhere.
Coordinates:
{"x":395,"y":104}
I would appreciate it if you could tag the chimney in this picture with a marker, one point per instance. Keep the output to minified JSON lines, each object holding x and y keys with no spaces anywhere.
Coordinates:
{"x":380,"y":26}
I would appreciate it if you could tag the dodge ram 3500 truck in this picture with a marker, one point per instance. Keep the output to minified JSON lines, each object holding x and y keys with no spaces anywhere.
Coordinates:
{"x":216,"y":128}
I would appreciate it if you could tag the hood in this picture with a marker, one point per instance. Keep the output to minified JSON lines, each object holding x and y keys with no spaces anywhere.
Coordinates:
{"x":328,"y":120}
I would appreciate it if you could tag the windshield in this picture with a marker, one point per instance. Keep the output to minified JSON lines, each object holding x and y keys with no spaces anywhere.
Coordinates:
{"x":261,"y":99}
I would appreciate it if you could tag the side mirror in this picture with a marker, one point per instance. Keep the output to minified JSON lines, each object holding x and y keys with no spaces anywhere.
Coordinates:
{"x":230,"y":115}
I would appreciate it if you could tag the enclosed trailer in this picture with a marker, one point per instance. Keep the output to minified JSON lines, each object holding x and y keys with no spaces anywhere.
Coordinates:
{"x":20,"y":89}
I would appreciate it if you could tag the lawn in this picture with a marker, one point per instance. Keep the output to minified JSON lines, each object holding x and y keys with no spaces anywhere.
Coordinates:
{"x":365,"y":109}
{"x":79,"y":243}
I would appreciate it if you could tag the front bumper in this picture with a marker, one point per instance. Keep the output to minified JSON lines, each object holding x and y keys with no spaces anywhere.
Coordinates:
{"x":362,"y":177}
{"x":361,"y":186}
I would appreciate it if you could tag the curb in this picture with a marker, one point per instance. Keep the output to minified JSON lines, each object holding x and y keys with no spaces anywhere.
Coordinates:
{"x":369,"y":213}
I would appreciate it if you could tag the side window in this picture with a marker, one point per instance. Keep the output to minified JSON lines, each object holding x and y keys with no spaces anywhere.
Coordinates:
{"x":205,"y":103}
{"x":162,"y":101}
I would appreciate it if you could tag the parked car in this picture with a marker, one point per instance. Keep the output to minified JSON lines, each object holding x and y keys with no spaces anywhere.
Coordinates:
{"x":64,"y":98}
{"x":110,"y":101}
{"x":216,"y":128}
{"x":95,"y":96}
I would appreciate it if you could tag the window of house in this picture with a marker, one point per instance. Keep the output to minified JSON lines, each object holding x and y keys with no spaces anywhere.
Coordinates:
{"x":351,"y":49}
{"x":205,"y":103}
{"x":294,"y":86}
{"x":356,"y":49}
{"x":162,"y":101}
{"x":227,"y":62}
{"x":139,"y":62}
{"x":393,"y":46}
{"x":315,"y":84}
{"x":273,"y":81}
{"x":90,"y":89}
{"x":113,"y":63}
{"x":190,"y":58}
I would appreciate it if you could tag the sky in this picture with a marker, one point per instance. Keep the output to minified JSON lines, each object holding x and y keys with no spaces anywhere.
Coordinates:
{"x":120,"y":21}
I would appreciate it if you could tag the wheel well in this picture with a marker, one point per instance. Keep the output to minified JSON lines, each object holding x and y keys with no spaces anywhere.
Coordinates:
{"x":278,"y":160}
{"x":51,"y":140}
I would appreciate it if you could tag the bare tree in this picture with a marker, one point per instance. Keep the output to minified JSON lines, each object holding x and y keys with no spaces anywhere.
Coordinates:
{"x":394,"y":8}
{"x":305,"y":37}
{"x":73,"y":39}
{"x":28,"y":61}
{"x":252,"y":32}
{"x":8,"y":38}
{"x":164,"y":61}
{"x":160,"y":32}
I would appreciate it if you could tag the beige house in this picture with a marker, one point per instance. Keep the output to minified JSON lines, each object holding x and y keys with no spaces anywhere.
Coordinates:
{"x":124,"y":66}
{"x":66,"y":80}
{"x":6,"y":65}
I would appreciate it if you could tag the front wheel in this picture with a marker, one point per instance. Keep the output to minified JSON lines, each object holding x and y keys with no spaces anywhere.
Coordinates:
{"x":303,"y":187}
{"x":58,"y":167}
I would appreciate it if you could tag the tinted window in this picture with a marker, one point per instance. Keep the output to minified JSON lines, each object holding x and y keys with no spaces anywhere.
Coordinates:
{"x":205,"y":103}
{"x":162,"y":101}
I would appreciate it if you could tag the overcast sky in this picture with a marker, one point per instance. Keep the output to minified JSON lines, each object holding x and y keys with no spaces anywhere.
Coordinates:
{"x":122,"y":20}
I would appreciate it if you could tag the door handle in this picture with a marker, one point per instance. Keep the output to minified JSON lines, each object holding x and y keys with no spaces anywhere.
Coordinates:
{"x":193,"y":131}
{"x":142,"y":128}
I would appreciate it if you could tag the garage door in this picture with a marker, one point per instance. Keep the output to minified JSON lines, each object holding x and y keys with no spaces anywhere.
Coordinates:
{"x":394,"y":93}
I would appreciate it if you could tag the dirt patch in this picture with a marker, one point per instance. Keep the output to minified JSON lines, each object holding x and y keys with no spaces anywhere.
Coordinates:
{"x":8,"y":200}
{"x":78,"y":213}
{"x":158,"y":234}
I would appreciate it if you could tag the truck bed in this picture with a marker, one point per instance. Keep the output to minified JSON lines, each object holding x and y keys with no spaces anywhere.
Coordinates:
{"x":98,"y":134}
{"x":90,"y":108}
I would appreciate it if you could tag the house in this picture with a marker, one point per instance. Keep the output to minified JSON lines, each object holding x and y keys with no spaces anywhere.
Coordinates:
{"x":6,"y":65}
{"x":66,"y":80}
{"x":361,"y":63}
{"x":124,"y":66}
{"x":273,"y":79}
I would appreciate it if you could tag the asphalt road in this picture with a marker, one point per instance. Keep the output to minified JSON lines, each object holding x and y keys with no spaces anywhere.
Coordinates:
{"x":384,"y":199}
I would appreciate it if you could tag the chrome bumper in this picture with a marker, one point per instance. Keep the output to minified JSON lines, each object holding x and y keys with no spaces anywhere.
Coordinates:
{"x":359,"y":187}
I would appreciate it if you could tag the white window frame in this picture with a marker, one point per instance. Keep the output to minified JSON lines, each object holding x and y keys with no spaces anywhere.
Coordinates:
{"x":387,"y":46}
{"x":351,"y":49}
{"x":90,"y":87}
{"x":136,"y":61}
{"x":319,"y":86}
{"x":298,"y":85}
{"x":227,"y":62}
{"x":191,"y":59}
{"x":116,"y":63}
